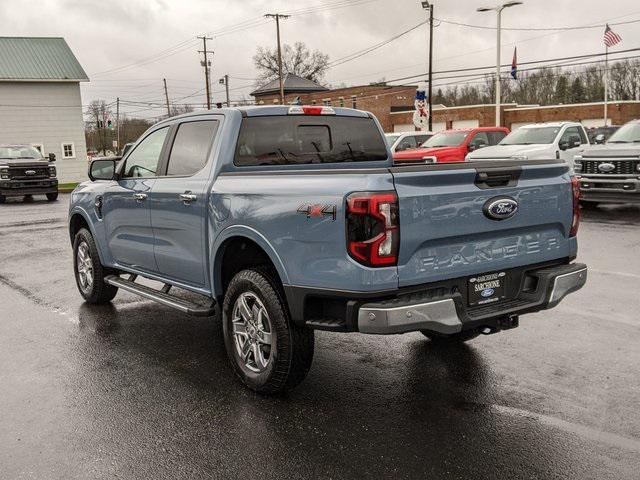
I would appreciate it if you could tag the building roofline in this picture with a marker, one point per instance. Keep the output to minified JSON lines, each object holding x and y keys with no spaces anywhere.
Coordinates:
{"x":569,"y":105}
{"x":43,"y":80}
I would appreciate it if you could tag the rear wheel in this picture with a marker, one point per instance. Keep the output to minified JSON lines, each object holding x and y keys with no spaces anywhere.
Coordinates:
{"x":52,"y":197}
{"x":459,"y":337}
{"x":89,"y":271}
{"x":266,"y":349}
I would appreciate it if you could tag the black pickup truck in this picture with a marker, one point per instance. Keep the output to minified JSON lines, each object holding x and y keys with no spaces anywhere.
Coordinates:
{"x":610,"y":173}
{"x":25,"y":172}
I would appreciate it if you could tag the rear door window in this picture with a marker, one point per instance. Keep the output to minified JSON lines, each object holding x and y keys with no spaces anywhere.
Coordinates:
{"x":191,"y":146}
{"x":298,"y":139}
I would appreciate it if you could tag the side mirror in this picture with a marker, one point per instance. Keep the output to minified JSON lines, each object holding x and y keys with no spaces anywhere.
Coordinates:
{"x":599,"y":139}
{"x":574,"y":142}
{"x":103,"y":169}
{"x":52,"y":157}
{"x":563,"y":145}
{"x":476,"y":145}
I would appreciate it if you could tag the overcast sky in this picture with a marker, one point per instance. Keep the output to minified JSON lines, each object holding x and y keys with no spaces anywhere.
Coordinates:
{"x":128,"y":46}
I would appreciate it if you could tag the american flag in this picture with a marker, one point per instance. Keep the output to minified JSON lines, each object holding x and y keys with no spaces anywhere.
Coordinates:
{"x":611,"y":38}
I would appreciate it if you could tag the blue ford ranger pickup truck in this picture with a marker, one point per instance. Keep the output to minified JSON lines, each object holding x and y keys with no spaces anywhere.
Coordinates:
{"x":292,"y":219}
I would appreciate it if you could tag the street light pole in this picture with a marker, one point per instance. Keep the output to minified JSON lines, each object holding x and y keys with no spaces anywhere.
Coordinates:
{"x":498,"y":9}
{"x":498,"y":58}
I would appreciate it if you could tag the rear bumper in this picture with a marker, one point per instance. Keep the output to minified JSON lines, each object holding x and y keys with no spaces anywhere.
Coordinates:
{"x":10,"y":188}
{"x":610,"y":190}
{"x":437,"y":308}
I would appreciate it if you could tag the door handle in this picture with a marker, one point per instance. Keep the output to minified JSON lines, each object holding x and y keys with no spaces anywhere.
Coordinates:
{"x":140,"y":196}
{"x":188,"y":197}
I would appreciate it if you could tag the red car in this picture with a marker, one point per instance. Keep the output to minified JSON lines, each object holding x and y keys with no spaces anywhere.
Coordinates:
{"x":452,"y":145}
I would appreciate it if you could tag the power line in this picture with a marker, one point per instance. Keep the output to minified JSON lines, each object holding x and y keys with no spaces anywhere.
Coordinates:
{"x":534,"y":29}
{"x":360,"y":53}
{"x":470,"y":69}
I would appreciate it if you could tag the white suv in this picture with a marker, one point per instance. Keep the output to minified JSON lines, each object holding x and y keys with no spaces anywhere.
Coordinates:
{"x":406,"y":140}
{"x":538,"y":141}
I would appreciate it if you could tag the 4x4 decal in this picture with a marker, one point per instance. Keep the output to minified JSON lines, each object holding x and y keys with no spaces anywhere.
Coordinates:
{"x":317,"y":210}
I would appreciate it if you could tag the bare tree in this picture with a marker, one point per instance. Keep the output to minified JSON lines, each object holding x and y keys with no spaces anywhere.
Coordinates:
{"x":180,"y":109}
{"x":298,"y":60}
{"x":99,"y":114}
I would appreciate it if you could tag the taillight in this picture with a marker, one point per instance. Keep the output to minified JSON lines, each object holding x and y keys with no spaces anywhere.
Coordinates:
{"x":311,"y":110}
{"x":373,"y":233}
{"x":575,"y":186}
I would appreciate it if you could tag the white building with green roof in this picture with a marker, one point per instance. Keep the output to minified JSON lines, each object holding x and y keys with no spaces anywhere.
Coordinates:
{"x":40,"y":101}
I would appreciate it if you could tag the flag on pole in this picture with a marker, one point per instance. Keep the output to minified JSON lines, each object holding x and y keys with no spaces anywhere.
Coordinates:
{"x":611,"y":38}
{"x":514,"y":64}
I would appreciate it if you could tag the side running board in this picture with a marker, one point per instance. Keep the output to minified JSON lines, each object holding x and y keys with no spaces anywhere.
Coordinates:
{"x":163,"y":297}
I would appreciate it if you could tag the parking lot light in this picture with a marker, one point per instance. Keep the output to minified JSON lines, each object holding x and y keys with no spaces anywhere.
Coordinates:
{"x":498,"y":9}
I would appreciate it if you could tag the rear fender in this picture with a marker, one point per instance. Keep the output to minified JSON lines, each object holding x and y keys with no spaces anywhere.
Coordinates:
{"x":216,"y":252}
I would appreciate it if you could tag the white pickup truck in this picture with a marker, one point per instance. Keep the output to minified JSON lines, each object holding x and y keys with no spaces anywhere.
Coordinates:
{"x":538,"y":141}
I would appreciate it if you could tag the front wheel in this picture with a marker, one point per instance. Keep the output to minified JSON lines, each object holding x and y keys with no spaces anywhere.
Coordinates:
{"x":266,"y":349}
{"x":89,"y":271}
{"x":52,"y":197}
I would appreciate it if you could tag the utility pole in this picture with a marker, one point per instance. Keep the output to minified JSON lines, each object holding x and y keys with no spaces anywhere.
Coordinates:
{"x":117,"y":125}
{"x":226,"y":87}
{"x":278,"y":16}
{"x":166,"y":96}
{"x":206,"y":64}
{"x":428,"y":5}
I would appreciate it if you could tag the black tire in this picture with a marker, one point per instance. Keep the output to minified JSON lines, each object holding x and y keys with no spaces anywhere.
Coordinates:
{"x":3,"y":199}
{"x":291,"y":349}
{"x":589,"y":205}
{"x":97,"y":291}
{"x":453,"y":338}
{"x":52,"y":197}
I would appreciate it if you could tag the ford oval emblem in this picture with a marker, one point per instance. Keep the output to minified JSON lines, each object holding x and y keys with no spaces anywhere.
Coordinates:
{"x":500,"y":208}
{"x":30,"y":172}
{"x":606,"y":167}
{"x":487,"y":292}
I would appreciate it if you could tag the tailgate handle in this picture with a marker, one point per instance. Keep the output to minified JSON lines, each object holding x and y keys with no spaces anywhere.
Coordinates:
{"x":499,"y":178}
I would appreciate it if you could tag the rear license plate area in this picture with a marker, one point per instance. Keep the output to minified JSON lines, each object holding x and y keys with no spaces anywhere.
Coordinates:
{"x":487,"y":288}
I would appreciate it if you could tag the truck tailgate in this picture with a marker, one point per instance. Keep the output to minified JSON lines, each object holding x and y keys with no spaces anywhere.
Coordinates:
{"x":445,"y":232}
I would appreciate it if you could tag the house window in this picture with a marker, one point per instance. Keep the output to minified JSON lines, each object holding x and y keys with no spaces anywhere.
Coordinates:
{"x":39,"y":147}
{"x":354,"y":101}
{"x":68,"y":150}
{"x":326,"y":102}
{"x":341,"y":101}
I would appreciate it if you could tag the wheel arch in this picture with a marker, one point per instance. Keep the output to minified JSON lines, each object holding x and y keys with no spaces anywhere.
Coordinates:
{"x":78,"y":219}
{"x":238,"y":239}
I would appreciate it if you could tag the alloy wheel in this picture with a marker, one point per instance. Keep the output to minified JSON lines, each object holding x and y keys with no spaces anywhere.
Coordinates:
{"x":84,"y":266}
{"x":251,"y":329}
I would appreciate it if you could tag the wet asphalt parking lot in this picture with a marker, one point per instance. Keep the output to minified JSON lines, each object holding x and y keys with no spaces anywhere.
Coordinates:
{"x":136,"y":390}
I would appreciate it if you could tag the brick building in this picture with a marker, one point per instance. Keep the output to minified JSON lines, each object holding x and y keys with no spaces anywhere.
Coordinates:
{"x":393,"y":106}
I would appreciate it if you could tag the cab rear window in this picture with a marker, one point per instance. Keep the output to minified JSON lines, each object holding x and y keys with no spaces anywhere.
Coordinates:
{"x":297,"y":140}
